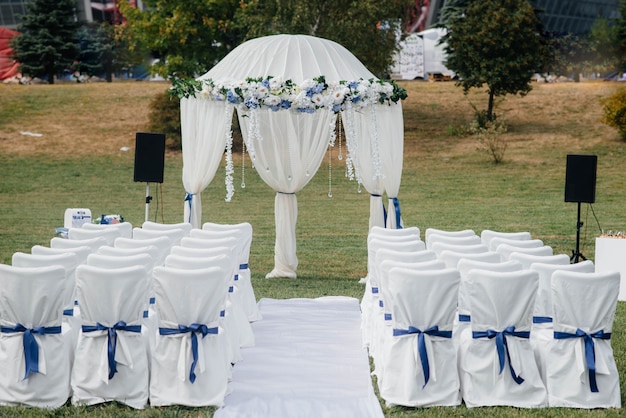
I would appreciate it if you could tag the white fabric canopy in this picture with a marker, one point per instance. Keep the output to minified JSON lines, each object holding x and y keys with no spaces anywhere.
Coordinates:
{"x":287,"y":146}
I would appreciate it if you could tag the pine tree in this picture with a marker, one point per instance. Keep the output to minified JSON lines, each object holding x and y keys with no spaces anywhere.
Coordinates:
{"x":47,"y":44}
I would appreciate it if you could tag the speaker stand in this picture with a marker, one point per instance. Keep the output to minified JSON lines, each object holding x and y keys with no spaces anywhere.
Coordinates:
{"x":149,"y":198}
{"x":576,"y":254}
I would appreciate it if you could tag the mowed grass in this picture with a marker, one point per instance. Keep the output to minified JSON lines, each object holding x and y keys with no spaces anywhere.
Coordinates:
{"x":448,"y":182}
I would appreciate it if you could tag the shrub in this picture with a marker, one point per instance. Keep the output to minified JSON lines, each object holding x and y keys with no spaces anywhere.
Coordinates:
{"x":491,"y":138}
{"x":614,"y":108}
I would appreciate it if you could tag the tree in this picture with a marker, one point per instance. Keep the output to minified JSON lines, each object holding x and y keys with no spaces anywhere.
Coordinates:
{"x":368,"y":28}
{"x":496,"y":43}
{"x":47,"y":44}
{"x":187,"y":37}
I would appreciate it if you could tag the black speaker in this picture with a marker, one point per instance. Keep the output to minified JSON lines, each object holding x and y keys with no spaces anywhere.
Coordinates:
{"x":580,"y":178}
{"x":149,"y":157}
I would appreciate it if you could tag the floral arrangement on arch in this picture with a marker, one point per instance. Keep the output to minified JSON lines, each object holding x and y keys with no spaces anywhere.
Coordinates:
{"x":277,"y":94}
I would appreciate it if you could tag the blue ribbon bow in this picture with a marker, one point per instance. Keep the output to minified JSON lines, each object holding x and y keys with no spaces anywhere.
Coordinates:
{"x":188,"y":197}
{"x":502,"y":346}
{"x":421,"y":344}
{"x":243,"y":266}
{"x":192,"y":329}
{"x":541,"y":320}
{"x":31,"y":348}
{"x":396,"y":205}
{"x":112,"y":339}
{"x":384,"y":209}
{"x":590,"y":351}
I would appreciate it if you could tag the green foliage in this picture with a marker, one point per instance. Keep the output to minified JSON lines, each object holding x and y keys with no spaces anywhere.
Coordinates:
{"x":165,"y":118}
{"x":496,"y":43}
{"x":367,"y":28}
{"x":94,"y":44}
{"x":614,"y":111}
{"x":187,"y":37}
{"x":47,"y":44}
{"x":490,"y":136}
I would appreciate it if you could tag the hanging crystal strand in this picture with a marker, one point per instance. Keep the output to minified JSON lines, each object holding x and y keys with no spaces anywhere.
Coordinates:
{"x":230,"y":189}
{"x":243,"y":164}
{"x":339,"y":129}
{"x":331,"y":129}
{"x":330,"y":172}
{"x":374,"y":142}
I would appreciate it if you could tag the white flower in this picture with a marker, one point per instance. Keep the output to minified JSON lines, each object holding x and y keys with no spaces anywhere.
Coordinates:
{"x":339,"y":95}
{"x":272,"y":100}
{"x":318,"y":99}
{"x":276,"y":83}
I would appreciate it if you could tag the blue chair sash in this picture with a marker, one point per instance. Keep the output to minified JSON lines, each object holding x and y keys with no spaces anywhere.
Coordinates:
{"x":542,"y":320}
{"x":112,"y":340}
{"x":396,"y":205}
{"x":502,"y":346}
{"x":193,"y":329}
{"x":31,"y":348}
{"x":421,"y":344}
{"x":465,"y":318}
{"x":590,"y":351}
{"x":243,"y":266}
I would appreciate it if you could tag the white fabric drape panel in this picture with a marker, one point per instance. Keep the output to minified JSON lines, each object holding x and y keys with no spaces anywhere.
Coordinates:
{"x":287,"y":157}
{"x":363,"y":160}
{"x":391,"y":145}
{"x":204,"y":124}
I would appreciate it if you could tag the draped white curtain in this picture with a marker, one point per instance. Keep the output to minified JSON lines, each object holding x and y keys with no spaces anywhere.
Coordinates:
{"x":391,"y":140}
{"x":204,"y":124}
{"x":287,"y":156}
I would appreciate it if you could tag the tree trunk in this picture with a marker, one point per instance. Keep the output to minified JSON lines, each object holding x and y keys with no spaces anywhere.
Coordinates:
{"x":490,"y":107}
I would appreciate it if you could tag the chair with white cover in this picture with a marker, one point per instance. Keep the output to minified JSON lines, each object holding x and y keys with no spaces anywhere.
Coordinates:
{"x":505,"y":251}
{"x":438,"y":247}
{"x":448,"y":233}
{"x":452,"y":258}
{"x":185,"y":226}
{"x":188,"y":362}
{"x":150,"y":250}
{"x":92,"y":243}
{"x":164,"y":244}
{"x":542,"y":331}
{"x":497,"y":364}
{"x":111,"y":358}
{"x":175,"y":235}
{"x":125,"y":228}
{"x":487,"y":235}
{"x":529,"y":259}
{"x":35,"y":350}
{"x":244,"y":282}
{"x":370,"y":303}
{"x":412,"y":231}
{"x":81,"y":252}
{"x":81,"y":234}
{"x":525,"y":243}
{"x":580,"y":366}
{"x":465,"y":266}
{"x":446,"y":239}
{"x":421,"y":358}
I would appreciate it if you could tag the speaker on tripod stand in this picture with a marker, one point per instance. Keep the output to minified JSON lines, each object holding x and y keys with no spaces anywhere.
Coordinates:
{"x":580,"y":187}
{"x":149,"y":161}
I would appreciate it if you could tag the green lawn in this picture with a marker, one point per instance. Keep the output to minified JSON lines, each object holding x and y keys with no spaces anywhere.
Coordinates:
{"x":448,"y":183}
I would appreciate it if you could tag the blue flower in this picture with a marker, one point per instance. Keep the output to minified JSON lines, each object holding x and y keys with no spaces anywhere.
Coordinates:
{"x":266,"y":83}
{"x":285,"y":104}
{"x":274,"y":108}
{"x":356,"y":99}
{"x":252,"y":103}
{"x":318,"y":88}
{"x":305,"y":110}
{"x":353,"y":85}
{"x":309,"y":92}
{"x":232,"y":97}
{"x":337,"y":108}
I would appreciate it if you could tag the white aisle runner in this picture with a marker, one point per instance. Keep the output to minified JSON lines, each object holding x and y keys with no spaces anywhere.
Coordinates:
{"x":308,"y":362}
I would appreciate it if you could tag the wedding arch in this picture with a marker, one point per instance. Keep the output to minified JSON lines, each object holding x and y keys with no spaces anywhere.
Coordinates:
{"x":288,"y":91}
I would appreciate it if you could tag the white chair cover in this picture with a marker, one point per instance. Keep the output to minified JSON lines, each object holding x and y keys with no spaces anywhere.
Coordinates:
{"x":93,"y":243}
{"x":584,"y":308}
{"x":81,"y":234}
{"x":438,"y":247}
{"x":33,"y":297}
{"x":528,"y":259}
{"x":542,"y":331}
{"x":111,"y":359}
{"x":524,"y":243}
{"x":175,"y":235}
{"x":163,"y":243}
{"x":458,"y":233}
{"x":447,"y":239}
{"x":81,"y":252}
{"x":487,"y":235}
{"x":382,"y":232}
{"x":242,"y":279}
{"x":150,"y":250}
{"x":452,"y":258}
{"x":189,"y":364}
{"x":421,"y":358}
{"x":125,"y":228}
{"x":497,"y":364}
{"x":505,"y":250}
{"x":185,"y":226}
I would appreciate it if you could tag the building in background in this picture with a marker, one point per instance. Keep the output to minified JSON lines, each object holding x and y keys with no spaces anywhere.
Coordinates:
{"x":86,"y":10}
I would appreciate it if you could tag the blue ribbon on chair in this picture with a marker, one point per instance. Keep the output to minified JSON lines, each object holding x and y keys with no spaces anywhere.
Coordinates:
{"x":396,"y":205}
{"x":374,"y":290}
{"x":590,"y":351}
{"x":188,"y":197}
{"x":243,"y":266}
{"x":384,"y":208}
{"x":465,"y":318}
{"x":541,"y":320}
{"x":421,"y":344}
{"x":502,"y":347}
{"x":192,"y":329}
{"x":68,"y":312}
{"x":31,"y":348}
{"x":388,"y":317}
{"x":112,"y":339}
